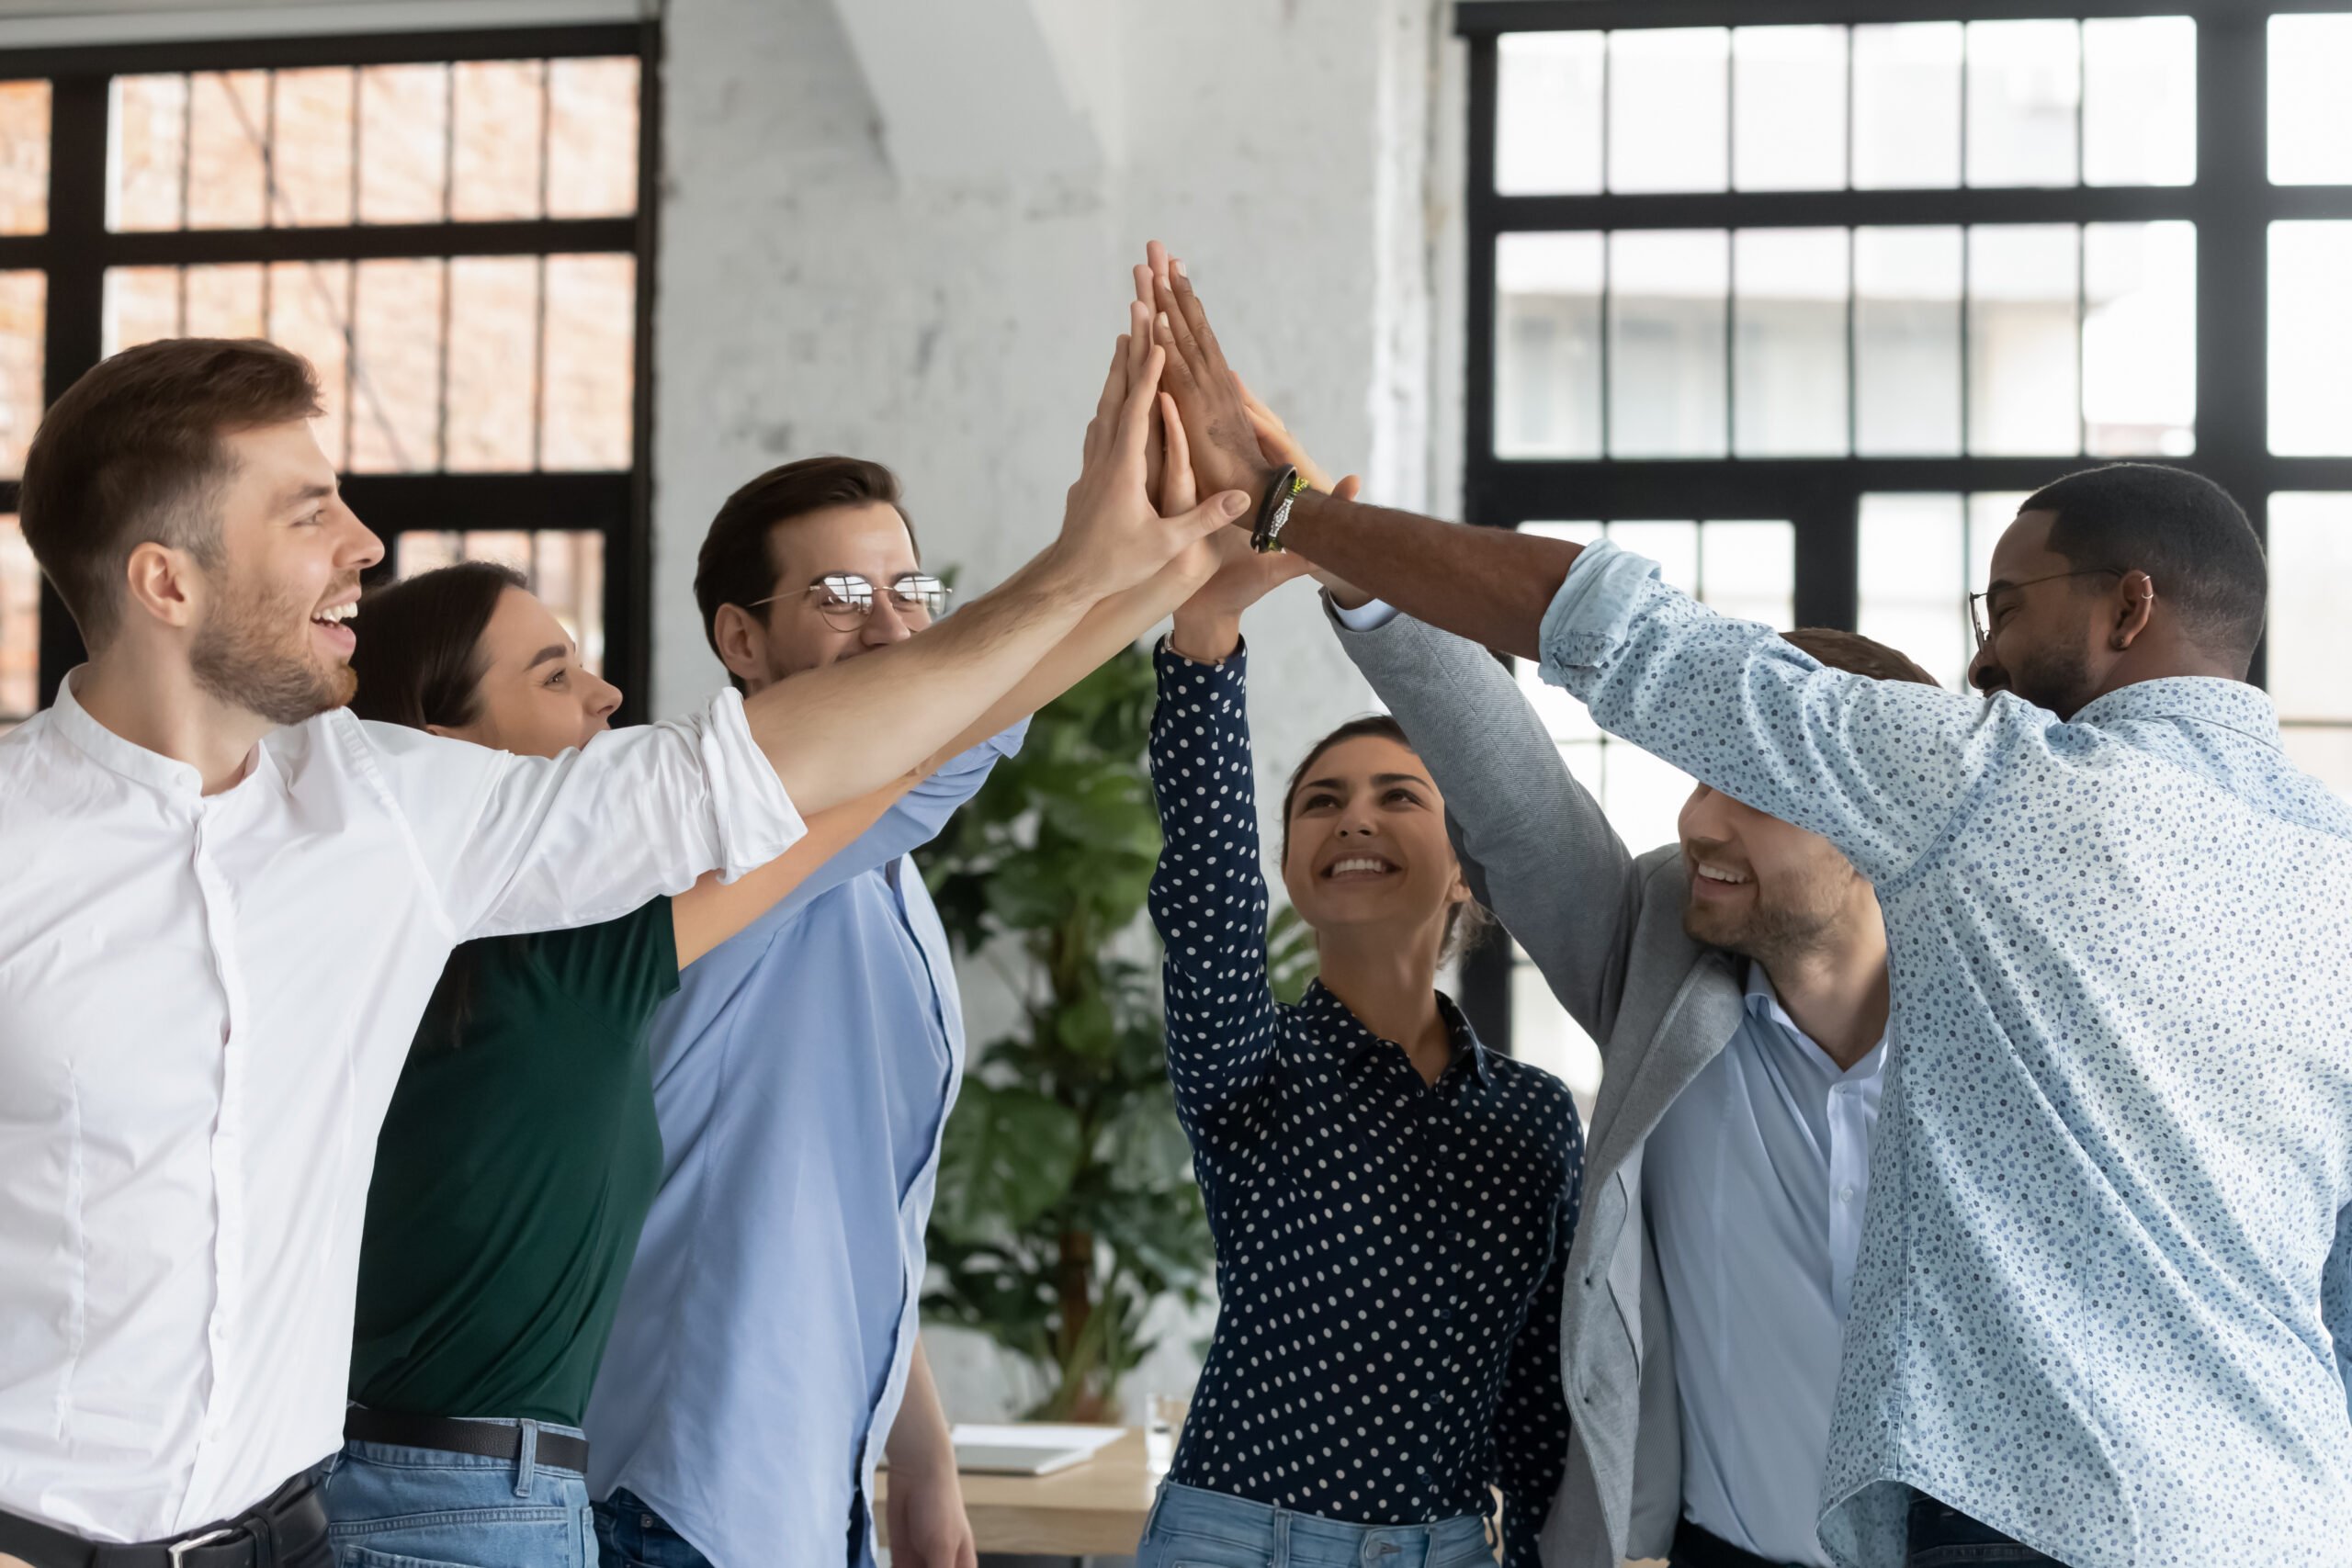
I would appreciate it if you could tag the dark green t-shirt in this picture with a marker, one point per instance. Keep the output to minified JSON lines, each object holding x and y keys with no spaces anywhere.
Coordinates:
{"x":513,"y":1174}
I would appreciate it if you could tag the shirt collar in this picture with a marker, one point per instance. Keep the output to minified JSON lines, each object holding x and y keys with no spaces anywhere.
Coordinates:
{"x":133,"y":762}
{"x":1355,"y":1040}
{"x":2232,"y":704}
{"x":1763,"y":1004}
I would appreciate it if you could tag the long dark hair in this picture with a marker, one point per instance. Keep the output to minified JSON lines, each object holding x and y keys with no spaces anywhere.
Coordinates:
{"x":1466,"y":923}
{"x":420,"y":662}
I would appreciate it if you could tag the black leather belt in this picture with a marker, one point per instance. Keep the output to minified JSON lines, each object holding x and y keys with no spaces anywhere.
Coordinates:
{"x":1699,"y":1549}
{"x":287,"y":1531}
{"x":556,"y":1450}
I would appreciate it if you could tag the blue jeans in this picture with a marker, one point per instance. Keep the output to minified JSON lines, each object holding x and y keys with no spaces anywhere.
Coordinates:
{"x":1943,"y":1537}
{"x":633,"y":1535}
{"x":400,"y":1507}
{"x":1192,"y":1529}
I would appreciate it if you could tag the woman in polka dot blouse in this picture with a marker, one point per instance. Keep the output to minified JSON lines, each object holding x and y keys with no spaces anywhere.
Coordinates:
{"x":1392,"y":1201}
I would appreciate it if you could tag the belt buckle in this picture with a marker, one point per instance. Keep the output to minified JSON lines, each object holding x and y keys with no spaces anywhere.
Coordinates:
{"x":180,"y":1549}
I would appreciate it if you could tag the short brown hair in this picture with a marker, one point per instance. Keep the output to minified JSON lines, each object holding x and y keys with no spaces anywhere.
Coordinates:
{"x":737,"y":565}
{"x":1858,"y":654}
{"x":132,"y":455}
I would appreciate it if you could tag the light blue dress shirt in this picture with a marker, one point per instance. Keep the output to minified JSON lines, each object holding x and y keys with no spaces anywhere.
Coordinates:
{"x":1755,"y":1179}
{"x":802,"y":1075}
{"x":2102,"y":1299}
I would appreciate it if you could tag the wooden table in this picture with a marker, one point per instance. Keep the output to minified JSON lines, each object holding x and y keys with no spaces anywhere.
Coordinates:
{"x":1098,"y":1506}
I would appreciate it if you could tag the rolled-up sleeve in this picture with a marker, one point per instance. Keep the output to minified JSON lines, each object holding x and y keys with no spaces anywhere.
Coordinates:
{"x":539,"y":843}
{"x":1880,"y":768}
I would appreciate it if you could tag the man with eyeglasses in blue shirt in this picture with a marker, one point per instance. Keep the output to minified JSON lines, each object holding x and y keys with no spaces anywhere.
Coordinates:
{"x":2101,"y":1312}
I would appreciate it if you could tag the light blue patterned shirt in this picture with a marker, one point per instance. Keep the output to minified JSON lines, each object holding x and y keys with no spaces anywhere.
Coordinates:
{"x":2106,"y":1275}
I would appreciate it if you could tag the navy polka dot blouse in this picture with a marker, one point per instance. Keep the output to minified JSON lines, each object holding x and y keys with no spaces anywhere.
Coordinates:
{"x":1389,"y":1252}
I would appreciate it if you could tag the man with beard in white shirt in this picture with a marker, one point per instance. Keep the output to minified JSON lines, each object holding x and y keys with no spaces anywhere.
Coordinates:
{"x":227,"y":901}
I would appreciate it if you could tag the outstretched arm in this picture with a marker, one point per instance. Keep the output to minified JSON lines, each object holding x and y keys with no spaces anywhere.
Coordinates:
{"x":848,"y":838}
{"x":1491,"y":585}
{"x":819,"y":730}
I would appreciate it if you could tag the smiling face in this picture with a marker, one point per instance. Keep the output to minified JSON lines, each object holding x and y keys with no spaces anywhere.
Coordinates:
{"x":801,"y":628}
{"x":1367,"y":851}
{"x":1760,"y":886}
{"x":535,"y":698}
{"x":2045,"y":620}
{"x":269,"y":635}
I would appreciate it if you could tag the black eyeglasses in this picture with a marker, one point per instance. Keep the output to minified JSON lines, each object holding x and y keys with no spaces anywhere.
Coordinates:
{"x":845,"y":599}
{"x":1979,"y":611}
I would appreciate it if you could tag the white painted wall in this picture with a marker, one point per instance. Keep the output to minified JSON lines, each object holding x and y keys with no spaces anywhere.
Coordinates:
{"x":867,"y":247}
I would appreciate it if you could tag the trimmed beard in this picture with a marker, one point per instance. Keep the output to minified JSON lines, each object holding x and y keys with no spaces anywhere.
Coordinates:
{"x":239,"y":658}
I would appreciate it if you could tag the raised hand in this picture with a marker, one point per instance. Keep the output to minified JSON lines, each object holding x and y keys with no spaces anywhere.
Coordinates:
{"x":1112,"y":536}
{"x":1224,"y":443}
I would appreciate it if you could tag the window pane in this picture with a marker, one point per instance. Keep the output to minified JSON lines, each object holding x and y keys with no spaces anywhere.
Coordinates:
{"x":2024,"y":82}
{"x":590,"y":346}
{"x":496,"y":127}
{"x":404,"y":143}
{"x":2023,"y":347}
{"x":1668,"y":109}
{"x":592,"y":138}
{"x":1547,"y":345}
{"x":19,"y":624}
{"x":2311,"y":339}
{"x":24,"y":157}
{"x":396,"y":366}
{"x":2140,"y":101}
{"x":2311,"y":114}
{"x":1667,"y":313}
{"x":310,"y":312}
{"x":23,"y":298}
{"x":566,"y":570}
{"x":2311,"y":584}
{"x":1912,"y":569}
{"x":148,"y":128}
{"x":310,"y":147}
{"x":1790,"y":353}
{"x":1906,"y":105}
{"x":227,"y":125}
{"x":2140,"y":339}
{"x":223,"y":301}
{"x":1908,"y":341}
{"x":1547,"y":113}
{"x":493,"y":359}
{"x":142,"y":303}
{"x":1543,"y":1035}
{"x":1749,"y":571}
{"x":1789,"y":108}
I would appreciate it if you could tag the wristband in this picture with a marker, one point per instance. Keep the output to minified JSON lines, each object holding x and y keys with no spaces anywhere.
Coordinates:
{"x":1273,"y":512}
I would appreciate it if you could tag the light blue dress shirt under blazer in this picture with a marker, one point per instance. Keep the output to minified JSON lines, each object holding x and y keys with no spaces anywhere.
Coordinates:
{"x":801,"y":1075}
{"x":1756,"y":1180}
{"x":2104,"y":1288}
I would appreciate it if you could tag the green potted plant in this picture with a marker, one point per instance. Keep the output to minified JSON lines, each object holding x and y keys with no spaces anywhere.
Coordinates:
{"x":1066,"y":1205}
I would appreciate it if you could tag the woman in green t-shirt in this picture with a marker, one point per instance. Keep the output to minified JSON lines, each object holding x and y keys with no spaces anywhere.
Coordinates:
{"x":520,"y":1154}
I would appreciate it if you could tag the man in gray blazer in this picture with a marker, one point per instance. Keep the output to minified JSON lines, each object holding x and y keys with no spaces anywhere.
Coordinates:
{"x":1737,"y":984}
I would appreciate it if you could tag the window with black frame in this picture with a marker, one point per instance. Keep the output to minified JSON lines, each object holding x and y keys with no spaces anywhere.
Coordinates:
{"x":453,"y":228}
{"x":1802,"y":299}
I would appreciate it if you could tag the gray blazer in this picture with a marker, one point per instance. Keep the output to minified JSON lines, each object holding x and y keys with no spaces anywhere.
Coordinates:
{"x":1606,"y":930}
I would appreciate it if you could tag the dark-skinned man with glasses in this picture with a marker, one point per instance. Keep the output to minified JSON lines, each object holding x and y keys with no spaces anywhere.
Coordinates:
{"x":2102,"y":1304}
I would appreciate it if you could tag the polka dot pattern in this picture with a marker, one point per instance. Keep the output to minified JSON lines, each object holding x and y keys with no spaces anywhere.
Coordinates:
{"x":2104,"y":1292}
{"x":1390,"y":1252}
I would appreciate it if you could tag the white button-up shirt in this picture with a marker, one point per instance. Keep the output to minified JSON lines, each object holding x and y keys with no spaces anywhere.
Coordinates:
{"x":205,"y":1001}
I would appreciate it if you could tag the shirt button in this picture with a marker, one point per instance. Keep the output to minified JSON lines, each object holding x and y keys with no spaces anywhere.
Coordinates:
{"x":1845,"y":1193}
{"x":1842,"y":1089}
